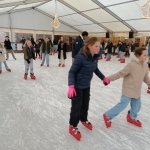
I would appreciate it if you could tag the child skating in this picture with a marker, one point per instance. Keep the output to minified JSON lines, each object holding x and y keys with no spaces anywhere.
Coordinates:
{"x":29,"y":55}
{"x":2,"y":58}
{"x":134,"y":74}
{"x":80,"y":76}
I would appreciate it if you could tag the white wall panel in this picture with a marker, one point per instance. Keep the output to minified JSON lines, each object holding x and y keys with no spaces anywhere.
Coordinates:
{"x":100,"y":15}
{"x":32,"y":19}
{"x":116,"y":27}
{"x":4,"y":21}
{"x":111,"y":2}
{"x":61,"y":9}
{"x":140,"y":25}
{"x":82,"y":5}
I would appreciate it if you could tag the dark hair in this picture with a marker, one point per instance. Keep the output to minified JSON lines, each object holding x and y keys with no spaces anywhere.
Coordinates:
{"x":91,"y":41}
{"x":139,"y":51}
{"x":6,"y":36}
{"x":85,"y":33}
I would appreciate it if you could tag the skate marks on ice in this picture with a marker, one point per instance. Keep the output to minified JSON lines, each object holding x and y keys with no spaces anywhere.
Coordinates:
{"x":34,"y":114}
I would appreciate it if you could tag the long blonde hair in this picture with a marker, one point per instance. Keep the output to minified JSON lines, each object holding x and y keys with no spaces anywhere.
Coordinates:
{"x":91,"y":42}
{"x":1,"y":46}
{"x":25,"y":45}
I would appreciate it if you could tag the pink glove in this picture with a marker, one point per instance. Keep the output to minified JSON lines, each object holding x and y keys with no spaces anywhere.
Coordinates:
{"x":106,"y":81}
{"x":71,"y":91}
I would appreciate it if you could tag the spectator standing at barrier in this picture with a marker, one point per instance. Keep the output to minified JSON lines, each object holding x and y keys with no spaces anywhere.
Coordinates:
{"x":7,"y":45}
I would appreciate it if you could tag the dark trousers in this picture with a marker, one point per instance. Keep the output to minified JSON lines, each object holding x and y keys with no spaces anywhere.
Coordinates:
{"x":127,"y":53}
{"x":80,"y":106}
{"x":37,"y":53}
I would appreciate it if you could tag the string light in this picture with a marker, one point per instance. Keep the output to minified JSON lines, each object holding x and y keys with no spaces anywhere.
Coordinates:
{"x":56,"y":23}
{"x":145,"y":9}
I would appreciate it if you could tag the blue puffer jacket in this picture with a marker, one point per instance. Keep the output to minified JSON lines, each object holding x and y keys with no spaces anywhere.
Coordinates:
{"x":78,"y":44}
{"x":81,"y":72}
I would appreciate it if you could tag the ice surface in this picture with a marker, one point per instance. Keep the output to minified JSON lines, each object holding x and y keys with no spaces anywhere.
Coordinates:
{"x":34,"y":114}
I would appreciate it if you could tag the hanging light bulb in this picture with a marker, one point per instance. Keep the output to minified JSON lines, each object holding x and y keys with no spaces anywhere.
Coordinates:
{"x":145,"y":9}
{"x":56,"y":23}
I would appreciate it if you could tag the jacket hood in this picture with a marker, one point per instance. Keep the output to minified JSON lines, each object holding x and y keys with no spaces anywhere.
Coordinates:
{"x":136,"y":60}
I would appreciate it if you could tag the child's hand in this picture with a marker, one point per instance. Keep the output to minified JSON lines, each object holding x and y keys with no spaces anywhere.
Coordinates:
{"x":106,"y":81}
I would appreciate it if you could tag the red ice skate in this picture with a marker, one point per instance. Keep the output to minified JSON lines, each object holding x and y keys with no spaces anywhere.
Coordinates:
{"x":8,"y":70}
{"x":32,"y":76}
{"x":59,"y":65}
{"x":134,"y":122}
{"x":148,"y":91}
{"x":87,"y":125}
{"x":107,"y":121}
{"x":119,"y":59}
{"x":74,"y":132}
{"x":149,"y":88}
{"x":0,"y":71}
{"x":41,"y":65}
{"x":63,"y":65}
{"x":47,"y":65}
{"x":25,"y":76}
{"x":122,"y":61}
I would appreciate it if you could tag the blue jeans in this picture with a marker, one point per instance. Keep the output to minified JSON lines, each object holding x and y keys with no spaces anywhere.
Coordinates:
{"x":55,"y":47}
{"x":108,"y":55}
{"x":4,"y":64}
{"x":45,"y":55}
{"x":120,"y":54}
{"x":134,"y":103}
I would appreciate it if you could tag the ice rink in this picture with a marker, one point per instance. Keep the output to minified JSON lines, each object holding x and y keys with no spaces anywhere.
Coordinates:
{"x":34,"y":115}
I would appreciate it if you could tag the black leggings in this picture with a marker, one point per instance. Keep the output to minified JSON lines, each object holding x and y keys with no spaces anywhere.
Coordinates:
{"x":80,"y":106}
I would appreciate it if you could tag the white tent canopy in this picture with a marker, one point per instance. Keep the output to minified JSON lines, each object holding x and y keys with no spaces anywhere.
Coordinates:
{"x":95,"y":16}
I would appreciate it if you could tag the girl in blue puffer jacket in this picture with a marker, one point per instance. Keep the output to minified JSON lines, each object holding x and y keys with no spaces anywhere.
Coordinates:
{"x":80,"y":76}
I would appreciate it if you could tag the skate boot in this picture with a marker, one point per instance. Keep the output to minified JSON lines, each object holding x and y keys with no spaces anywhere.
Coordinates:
{"x":122,"y":61}
{"x":32,"y":76}
{"x":107,"y":121}
{"x":132,"y":121}
{"x":59,"y":65}
{"x":0,"y":71}
{"x":63,"y":65}
{"x":87,"y":125}
{"x":148,"y":91}
{"x":74,"y":132}
{"x":25,"y":76}
{"x":41,"y":65}
{"x":47,"y":65}
{"x":8,"y":70}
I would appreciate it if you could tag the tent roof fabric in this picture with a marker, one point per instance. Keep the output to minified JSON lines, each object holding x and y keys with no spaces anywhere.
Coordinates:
{"x":90,"y":15}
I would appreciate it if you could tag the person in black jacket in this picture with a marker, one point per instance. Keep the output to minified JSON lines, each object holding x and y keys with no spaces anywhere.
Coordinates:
{"x":123,"y":50}
{"x":7,"y":45}
{"x":132,"y":47}
{"x":78,"y":44}
{"x":37,"y":49}
{"x":80,"y":76}
{"x":29,"y":55}
{"x":62,"y":49}
{"x":109,"y":50}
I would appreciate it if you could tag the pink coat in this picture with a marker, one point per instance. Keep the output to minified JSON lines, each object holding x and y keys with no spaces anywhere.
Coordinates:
{"x":2,"y":55}
{"x":134,"y":74}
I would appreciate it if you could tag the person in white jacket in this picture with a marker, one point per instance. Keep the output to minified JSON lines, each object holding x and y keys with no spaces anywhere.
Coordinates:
{"x":2,"y":58}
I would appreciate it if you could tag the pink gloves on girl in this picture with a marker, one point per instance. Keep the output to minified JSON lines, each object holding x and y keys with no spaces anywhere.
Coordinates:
{"x":71,"y":91}
{"x":106,"y":81}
